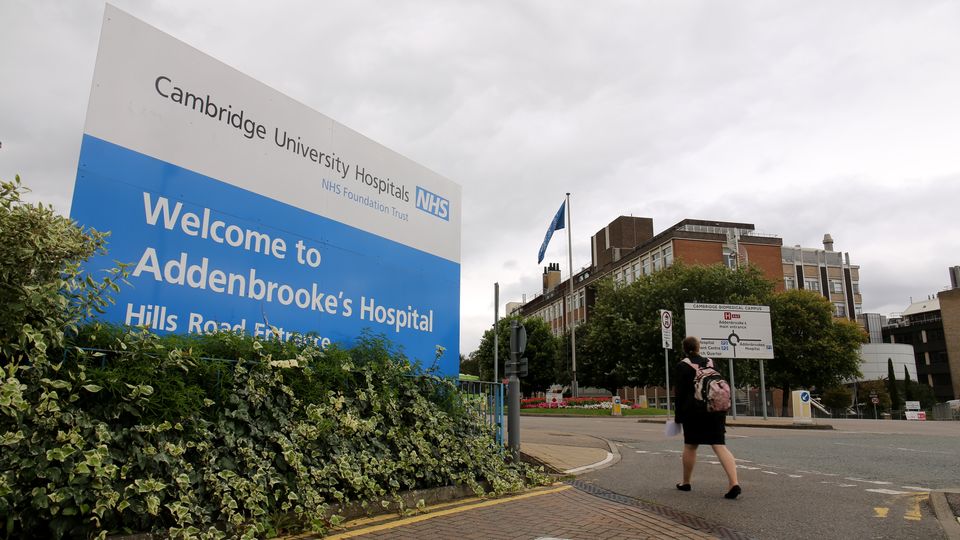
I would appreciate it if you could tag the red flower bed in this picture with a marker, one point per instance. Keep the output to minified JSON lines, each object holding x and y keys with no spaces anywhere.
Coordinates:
{"x":541,"y":403}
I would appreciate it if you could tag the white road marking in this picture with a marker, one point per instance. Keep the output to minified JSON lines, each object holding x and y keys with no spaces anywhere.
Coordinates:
{"x":742,"y":460}
{"x":747,"y":467}
{"x":925,"y":451}
{"x":847,"y":485}
{"x":642,"y":452}
{"x":887,"y":491}
{"x":608,"y":459}
{"x":769,"y":472}
{"x":877,"y":482}
{"x":916,"y":488}
{"x":795,"y":475}
{"x":674,"y":451}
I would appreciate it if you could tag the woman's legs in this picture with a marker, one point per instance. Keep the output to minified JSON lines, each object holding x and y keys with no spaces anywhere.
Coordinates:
{"x":727,"y":461}
{"x":689,"y":460}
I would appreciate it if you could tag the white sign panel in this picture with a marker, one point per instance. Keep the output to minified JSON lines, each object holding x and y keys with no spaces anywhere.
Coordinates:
{"x":730,"y":331}
{"x":239,"y":208}
{"x":666,"y":328}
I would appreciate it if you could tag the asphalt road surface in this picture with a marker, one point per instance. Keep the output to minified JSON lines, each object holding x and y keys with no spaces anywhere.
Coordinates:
{"x":864,"y":479}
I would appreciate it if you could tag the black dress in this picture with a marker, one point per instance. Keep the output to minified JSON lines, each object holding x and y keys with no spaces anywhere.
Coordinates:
{"x":699,"y":426}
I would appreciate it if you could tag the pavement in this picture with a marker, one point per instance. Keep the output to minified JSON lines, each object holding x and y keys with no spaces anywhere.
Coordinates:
{"x":545,"y":513}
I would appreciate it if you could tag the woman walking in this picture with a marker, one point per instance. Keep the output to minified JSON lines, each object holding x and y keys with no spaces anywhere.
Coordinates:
{"x":699,"y":425}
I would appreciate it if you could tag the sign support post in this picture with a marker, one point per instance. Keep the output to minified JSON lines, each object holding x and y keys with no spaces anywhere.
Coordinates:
{"x":496,"y":340}
{"x":666,"y":334}
{"x":733,"y":392}
{"x":515,"y":368}
{"x":763,"y":390}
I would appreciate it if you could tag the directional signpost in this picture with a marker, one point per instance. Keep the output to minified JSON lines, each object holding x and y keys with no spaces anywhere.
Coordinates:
{"x":732,"y":331}
{"x":666,"y":334}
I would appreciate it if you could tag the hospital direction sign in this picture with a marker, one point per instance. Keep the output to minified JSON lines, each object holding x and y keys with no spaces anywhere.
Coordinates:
{"x":730,"y":331}
{"x":238,"y":208}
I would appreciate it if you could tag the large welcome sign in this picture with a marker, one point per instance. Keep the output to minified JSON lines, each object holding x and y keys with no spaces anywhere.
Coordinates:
{"x":240,"y":209}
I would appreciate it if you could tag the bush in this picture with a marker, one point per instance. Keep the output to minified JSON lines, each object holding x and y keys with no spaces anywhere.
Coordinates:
{"x":107,"y":430}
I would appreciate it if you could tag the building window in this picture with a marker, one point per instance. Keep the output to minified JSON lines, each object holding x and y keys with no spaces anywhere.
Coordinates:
{"x":856,"y":287}
{"x":667,"y":256}
{"x":646,"y":266}
{"x":636,"y":269}
{"x":836,"y":286}
{"x":789,"y":283}
{"x":840,"y":309}
{"x":811,"y":284}
{"x":858,"y":309}
{"x":618,"y":277}
{"x":656,"y":262}
{"x":729,"y":259}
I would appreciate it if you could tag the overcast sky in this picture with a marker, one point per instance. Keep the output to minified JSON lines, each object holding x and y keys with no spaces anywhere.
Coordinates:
{"x":802,"y":118}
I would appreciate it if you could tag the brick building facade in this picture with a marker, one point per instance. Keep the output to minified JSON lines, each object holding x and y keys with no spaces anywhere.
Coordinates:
{"x":627,"y":249}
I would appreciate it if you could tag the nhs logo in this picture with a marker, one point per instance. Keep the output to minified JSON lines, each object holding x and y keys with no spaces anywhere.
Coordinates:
{"x":432,"y":203}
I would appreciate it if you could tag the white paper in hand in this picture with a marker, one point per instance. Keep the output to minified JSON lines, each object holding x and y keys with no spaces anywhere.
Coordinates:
{"x":672,"y":429}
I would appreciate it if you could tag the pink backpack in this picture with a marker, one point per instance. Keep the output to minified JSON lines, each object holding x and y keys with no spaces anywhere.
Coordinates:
{"x":709,"y":387}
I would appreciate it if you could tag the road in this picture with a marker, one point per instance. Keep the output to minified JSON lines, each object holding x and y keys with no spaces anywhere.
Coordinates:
{"x":865,"y":479}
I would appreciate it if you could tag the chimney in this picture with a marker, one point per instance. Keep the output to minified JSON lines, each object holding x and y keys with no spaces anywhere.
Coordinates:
{"x":827,"y":242}
{"x":551,"y":277}
{"x":954,"y":277}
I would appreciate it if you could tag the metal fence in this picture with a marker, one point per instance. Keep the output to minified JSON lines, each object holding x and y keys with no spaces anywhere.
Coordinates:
{"x":486,"y":401}
{"x":944,"y":411}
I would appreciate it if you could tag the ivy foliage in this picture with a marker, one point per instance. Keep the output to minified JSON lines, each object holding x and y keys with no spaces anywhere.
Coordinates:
{"x":109,"y":430}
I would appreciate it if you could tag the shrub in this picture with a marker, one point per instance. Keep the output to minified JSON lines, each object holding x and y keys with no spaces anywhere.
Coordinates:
{"x":106,"y":429}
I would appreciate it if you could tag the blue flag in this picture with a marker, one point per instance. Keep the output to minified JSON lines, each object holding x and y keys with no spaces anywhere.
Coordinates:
{"x":555,"y":225}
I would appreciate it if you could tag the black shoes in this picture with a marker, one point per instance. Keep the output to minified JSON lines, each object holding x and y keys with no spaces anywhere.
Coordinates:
{"x":683,"y":487}
{"x":732,"y":494}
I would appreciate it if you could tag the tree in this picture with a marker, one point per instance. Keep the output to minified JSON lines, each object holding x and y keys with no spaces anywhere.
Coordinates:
{"x":43,"y":293}
{"x":811,"y":348}
{"x":838,"y":397}
{"x":908,"y":393}
{"x":469,"y":365}
{"x":541,"y":353}
{"x":892,"y":386}
{"x":621,"y":341}
{"x":877,"y":387}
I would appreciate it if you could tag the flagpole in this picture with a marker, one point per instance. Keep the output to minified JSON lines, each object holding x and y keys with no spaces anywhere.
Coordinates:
{"x":573,"y":328}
